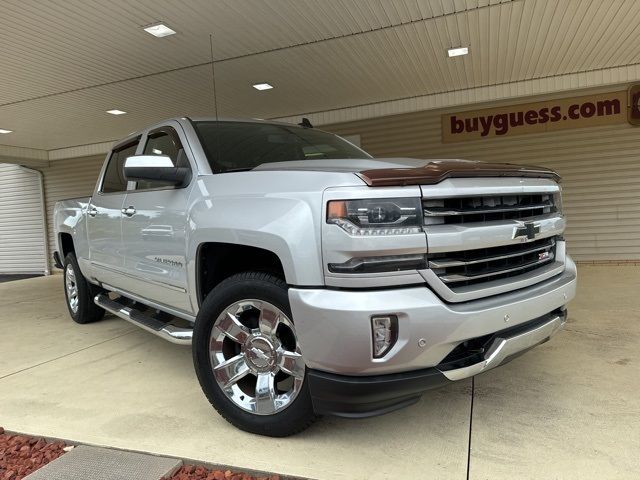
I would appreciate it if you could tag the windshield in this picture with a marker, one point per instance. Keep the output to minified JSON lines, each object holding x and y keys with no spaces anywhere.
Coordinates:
{"x":233,"y":146}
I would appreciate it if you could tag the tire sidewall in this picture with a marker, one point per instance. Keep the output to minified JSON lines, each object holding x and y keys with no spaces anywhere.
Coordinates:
{"x":299,"y":414}
{"x":87,"y":311}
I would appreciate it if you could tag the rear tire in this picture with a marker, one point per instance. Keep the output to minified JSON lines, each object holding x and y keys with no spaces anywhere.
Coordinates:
{"x":79,"y":293}
{"x":247,"y":357}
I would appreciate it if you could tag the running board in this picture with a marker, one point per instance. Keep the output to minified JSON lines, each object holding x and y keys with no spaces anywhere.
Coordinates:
{"x":173,"y":334}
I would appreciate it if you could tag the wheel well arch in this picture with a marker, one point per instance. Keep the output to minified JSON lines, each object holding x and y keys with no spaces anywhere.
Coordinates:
{"x":216,"y":261}
{"x":66,"y":245}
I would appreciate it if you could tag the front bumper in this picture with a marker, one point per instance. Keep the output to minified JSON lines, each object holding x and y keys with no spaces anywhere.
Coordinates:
{"x":365,"y":396}
{"x":334,"y":326}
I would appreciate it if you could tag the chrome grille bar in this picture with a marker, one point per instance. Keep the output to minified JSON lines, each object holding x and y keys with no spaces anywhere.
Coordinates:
{"x":463,"y":278}
{"x":439,"y":213}
{"x":448,"y":263}
{"x":480,"y":208}
{"x":481,"y":265}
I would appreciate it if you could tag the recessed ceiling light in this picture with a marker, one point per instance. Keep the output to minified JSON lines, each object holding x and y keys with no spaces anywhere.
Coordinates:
{"x":159,"y":30}
{"x":456,"y":52}
{"x":2,"y":130}
{"x":116,"y":112}
{"x":262,"y":86}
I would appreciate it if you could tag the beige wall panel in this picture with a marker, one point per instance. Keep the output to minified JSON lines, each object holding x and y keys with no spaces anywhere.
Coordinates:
{"x":69,"y":178}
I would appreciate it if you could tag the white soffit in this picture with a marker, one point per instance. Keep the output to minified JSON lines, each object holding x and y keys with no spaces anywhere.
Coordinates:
{"x":65,"y":63}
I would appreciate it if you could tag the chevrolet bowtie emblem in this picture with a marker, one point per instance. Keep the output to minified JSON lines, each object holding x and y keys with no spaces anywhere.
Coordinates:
{"x":259,"y":353}
{"x":526,"y":229}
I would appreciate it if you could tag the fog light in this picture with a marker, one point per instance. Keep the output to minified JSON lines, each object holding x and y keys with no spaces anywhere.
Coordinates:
{"x":384,"y":330}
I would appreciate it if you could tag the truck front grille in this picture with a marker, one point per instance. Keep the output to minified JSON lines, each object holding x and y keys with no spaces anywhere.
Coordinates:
{"x":489,"y":236}
{"x":469,"y":267}
{"x":486,"y":208}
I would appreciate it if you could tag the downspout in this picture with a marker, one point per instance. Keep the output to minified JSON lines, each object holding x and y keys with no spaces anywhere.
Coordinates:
{"x":43,"y":210}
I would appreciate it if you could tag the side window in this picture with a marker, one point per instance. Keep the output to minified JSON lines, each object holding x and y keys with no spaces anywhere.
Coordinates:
{"x":164,"y":141}
{"x":114,"y":180}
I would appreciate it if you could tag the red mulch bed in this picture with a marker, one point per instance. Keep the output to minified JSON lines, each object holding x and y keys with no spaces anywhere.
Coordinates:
{"x":192,"y":472}
{"x":20,"y":455}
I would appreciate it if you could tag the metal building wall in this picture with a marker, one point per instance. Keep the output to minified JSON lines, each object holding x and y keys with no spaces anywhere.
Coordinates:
{"x":22,"y":245}
{"x":600,"y":167}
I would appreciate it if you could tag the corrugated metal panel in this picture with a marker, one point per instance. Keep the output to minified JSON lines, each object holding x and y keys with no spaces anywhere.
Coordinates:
{"x":70,"y":178}
{"x":22,"y":246}
{"x":599,"y":167}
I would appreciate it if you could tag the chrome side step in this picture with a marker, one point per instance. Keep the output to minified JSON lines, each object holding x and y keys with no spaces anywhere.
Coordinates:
{"x":173,"y":334}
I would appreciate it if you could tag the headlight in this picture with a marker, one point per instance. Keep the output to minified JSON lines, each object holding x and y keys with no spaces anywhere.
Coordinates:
{"x":557,"y":201}
{"x":384,"y":216}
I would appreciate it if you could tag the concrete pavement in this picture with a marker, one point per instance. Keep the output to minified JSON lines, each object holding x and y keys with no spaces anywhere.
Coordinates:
{"x":568,"y":409}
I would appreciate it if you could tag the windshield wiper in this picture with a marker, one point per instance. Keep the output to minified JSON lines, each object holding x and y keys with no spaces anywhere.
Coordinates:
{"x":242,"y":169}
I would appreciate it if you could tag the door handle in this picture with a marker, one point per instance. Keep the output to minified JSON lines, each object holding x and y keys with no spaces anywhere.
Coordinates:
{"x":92,"y":211}
{"x":129,"y":211}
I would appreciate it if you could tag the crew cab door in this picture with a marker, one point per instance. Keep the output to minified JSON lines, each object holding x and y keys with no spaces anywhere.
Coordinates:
{"x":104,"y":216}
{"x":154,"y":225}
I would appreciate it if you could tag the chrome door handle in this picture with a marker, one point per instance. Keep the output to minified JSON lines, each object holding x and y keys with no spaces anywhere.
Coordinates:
{"x":129,"y":211}
{"x":92,"y":211}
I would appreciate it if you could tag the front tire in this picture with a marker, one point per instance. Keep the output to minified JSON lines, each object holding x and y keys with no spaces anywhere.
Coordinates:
{"x":79,"y":293}
{"x":247,"y":357}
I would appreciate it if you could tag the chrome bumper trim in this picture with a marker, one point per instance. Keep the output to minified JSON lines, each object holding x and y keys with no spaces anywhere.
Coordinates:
{"x":504,"y":347}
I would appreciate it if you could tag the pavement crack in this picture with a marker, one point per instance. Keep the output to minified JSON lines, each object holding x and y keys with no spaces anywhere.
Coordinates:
{"x":32,"y":300}
{"x":65,"y":355}
{"x":473,"y":392}
{"x":588,"y":332}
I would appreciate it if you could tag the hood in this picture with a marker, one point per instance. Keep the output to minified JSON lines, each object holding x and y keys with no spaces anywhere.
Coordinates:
{"x":412,"y":171}
{"x":343,"y":164}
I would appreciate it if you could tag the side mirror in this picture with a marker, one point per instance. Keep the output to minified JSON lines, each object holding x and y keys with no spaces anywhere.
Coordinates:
{"x":156,"y":168}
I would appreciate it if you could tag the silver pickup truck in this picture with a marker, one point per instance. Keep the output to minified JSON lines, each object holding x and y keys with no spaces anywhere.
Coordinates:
{"x":310,"y":278}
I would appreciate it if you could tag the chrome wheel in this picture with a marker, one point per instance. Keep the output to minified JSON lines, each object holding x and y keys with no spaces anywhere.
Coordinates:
{"x":72,"y":288}
{"x":255,"y":357}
